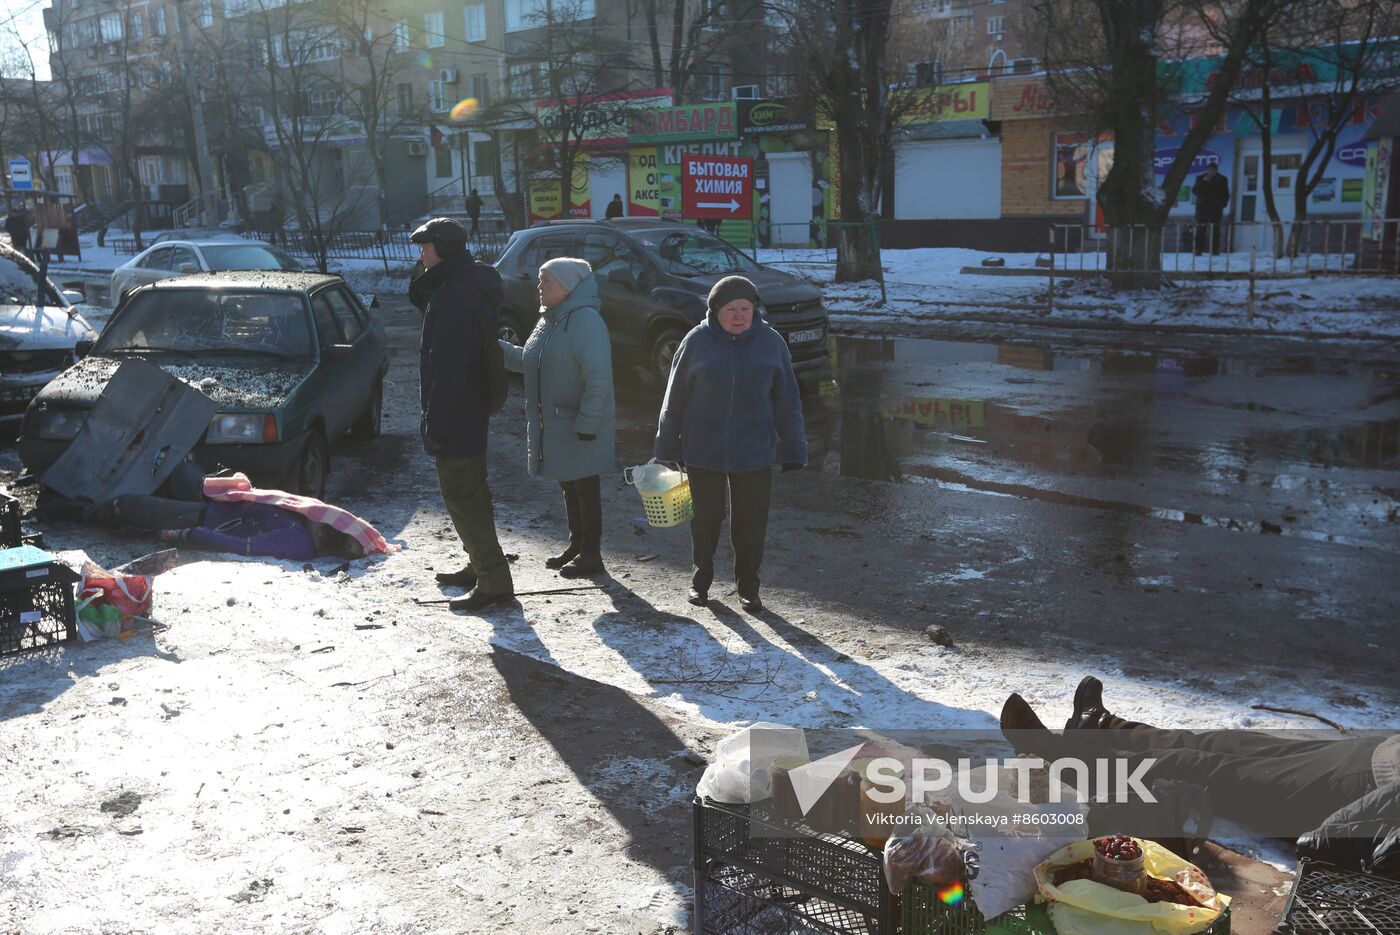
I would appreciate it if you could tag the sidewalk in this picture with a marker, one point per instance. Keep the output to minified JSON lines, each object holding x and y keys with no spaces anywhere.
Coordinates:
{"x":930,"y":285}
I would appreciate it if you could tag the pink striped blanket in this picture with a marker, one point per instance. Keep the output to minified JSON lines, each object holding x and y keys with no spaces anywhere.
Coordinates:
{"x":237,"y":487}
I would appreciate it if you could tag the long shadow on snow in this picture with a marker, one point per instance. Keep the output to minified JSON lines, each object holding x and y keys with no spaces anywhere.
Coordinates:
{"x":679,"y":654}
{"x":31,"y":679}
{"x":601,"y":733}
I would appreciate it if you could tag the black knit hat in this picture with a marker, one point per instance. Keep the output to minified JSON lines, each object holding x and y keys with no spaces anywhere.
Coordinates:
{"x":730,"y":288}
{"x":443,"y":231}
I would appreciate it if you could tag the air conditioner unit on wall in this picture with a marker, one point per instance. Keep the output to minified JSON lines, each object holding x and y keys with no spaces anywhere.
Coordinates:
{"x":744,"y":92}
{"x":448,"y":76}
{"x":418,"y":148}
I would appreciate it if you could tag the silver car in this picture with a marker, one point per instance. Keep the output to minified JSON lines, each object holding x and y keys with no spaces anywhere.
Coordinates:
{"x":170,"y":258}
{"x":39,"y":329}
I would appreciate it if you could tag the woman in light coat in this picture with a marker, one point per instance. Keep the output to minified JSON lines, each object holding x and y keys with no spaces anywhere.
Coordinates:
{"x":569,"y":406}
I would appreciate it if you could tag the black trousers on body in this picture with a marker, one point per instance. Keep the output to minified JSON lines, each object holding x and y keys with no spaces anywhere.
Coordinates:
{"x":749,"y":495}
{"x":1281,"y":786}
{"x":583,"y":504}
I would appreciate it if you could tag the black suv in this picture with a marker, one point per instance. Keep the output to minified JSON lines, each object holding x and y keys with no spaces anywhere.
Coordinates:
{"x":653,"y":278}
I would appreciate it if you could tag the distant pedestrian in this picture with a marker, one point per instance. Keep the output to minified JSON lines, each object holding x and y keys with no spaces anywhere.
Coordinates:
{"x":1212,"y":196}
{"x":569,"y":406}
{"x":731,"y":398}
{"x":17,"y":226}
{"x":614,"y":208}
{"x":460,"y":319}
{"x":474,"y":209}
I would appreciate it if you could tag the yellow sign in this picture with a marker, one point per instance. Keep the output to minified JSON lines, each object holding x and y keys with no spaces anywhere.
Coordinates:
{"x":545,"y":198}
{"x":946,"y":102}
{"x":944,"y":413}
{"x":643,"y":183}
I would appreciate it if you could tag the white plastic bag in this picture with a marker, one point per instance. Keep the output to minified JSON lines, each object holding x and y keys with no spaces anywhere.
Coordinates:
{"x":742,"y":772}
{"x":653,"y":478}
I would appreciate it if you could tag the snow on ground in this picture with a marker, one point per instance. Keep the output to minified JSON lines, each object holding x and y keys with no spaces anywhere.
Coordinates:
{"x":929,"y":284}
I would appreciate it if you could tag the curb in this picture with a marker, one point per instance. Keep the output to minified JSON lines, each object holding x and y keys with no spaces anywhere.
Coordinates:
{"x":1125,"y":327}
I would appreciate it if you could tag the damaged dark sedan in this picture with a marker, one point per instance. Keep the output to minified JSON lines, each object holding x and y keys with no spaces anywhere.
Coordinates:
{"x":292,"y":360}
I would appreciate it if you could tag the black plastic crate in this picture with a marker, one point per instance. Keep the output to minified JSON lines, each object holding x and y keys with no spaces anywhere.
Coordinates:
{"x":36,"y":600}
{"x":755,"y":873}
{"x":1328,"y":900}
{"x":10,"y":532}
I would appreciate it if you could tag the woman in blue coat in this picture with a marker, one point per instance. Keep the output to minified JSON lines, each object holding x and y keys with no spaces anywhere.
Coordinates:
{"x":731,"y":403}
{"x":569,"y":407}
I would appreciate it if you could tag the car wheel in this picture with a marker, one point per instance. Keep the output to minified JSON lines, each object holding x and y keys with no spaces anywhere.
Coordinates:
{"x":313,"y":464}
{"x":368,"y":425}
{"x":510,"y":330}
{"x":663,"y":353}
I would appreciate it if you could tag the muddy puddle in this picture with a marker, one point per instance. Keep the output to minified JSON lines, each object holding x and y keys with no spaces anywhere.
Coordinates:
{"x":1289,"y":445}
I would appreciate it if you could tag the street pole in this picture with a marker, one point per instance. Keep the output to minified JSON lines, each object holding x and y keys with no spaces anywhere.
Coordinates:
{"x":209,"y":199}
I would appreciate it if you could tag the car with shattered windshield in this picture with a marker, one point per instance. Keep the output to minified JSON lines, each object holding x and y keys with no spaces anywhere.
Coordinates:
{"x":293,"y":361}
{"x":653,"y":278}
{"x":39,"y":330}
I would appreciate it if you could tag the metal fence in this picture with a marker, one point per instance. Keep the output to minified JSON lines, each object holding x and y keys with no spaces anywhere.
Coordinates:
{"x":1262,"y":249}
{"x":392,"y":248}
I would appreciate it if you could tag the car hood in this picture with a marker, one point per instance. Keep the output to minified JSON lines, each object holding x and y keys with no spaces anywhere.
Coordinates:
{"x":230,"y":386}
{"x":40,"y":327}
{"x":775,"y":288}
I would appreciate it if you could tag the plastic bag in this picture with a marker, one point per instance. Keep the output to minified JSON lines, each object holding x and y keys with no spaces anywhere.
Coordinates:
{"x":1084,"y":907}
{"x":926,"y":851}
{"x":742,"y":772}
{"x":653,"y":478}
{"x":110,"y":602}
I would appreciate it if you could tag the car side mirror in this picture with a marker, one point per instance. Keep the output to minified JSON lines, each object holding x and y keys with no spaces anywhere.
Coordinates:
{"x":189,"y":268}
{"x":83,"y":347}
{"x":368,"y":300}
{"x":338,"y":351}
{"x":621,"y":276}
{"x":74,"y":297}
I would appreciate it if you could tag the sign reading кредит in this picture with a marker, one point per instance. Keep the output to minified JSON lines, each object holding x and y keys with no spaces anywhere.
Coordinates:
{"x":716,"y":187}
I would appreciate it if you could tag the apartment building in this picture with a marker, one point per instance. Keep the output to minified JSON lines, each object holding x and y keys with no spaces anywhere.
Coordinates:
{"x":115,"y":139}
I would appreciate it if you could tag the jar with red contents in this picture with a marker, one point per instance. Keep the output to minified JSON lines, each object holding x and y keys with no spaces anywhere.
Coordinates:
{"x":1118,"y":862}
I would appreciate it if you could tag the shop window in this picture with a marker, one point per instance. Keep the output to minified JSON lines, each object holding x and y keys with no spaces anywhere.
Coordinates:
{"x":1070,"y":166}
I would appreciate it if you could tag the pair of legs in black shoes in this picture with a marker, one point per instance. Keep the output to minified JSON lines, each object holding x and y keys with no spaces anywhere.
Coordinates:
{"x":749,"y":495}
{"x":1281,"y":786}
{"x":583,"y":504}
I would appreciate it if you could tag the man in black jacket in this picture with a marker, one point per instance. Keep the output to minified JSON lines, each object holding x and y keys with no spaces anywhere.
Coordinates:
{"x":460,"y":318}
{"x":1340,"y":797}
{"x":1212,"y":196}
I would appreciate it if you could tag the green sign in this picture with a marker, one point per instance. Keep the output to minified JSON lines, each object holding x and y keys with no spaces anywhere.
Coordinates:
{"x":684,"y":122}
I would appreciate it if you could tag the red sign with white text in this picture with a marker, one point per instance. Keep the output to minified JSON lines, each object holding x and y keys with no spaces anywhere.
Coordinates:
{"x":716,"y":187}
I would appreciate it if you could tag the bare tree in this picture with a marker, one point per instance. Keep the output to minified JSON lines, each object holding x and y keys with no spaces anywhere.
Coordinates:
{"x":583,"y":74}
{"x":369,"y":73}
{"x":838,"y":54}
{"x":1336,"y":55}
{"x":1118,"y":63}
{"x":687,"y":38}
{"x":298,"y":98}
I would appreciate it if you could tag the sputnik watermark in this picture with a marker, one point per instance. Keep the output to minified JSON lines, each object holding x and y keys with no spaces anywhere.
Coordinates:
{"x":889,"y":781}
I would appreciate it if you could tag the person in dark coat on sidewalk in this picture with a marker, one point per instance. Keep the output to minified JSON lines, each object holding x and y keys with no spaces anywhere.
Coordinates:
{"x":474,"y":209}
{"x":17,"y":226}
{"x":1211,"y":194}
{"x":1339,"y":796}
{"x":731,"y":399}
{"x":460,"y":319}
{"x":570,"y":411}
{"x":614,"y":209}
